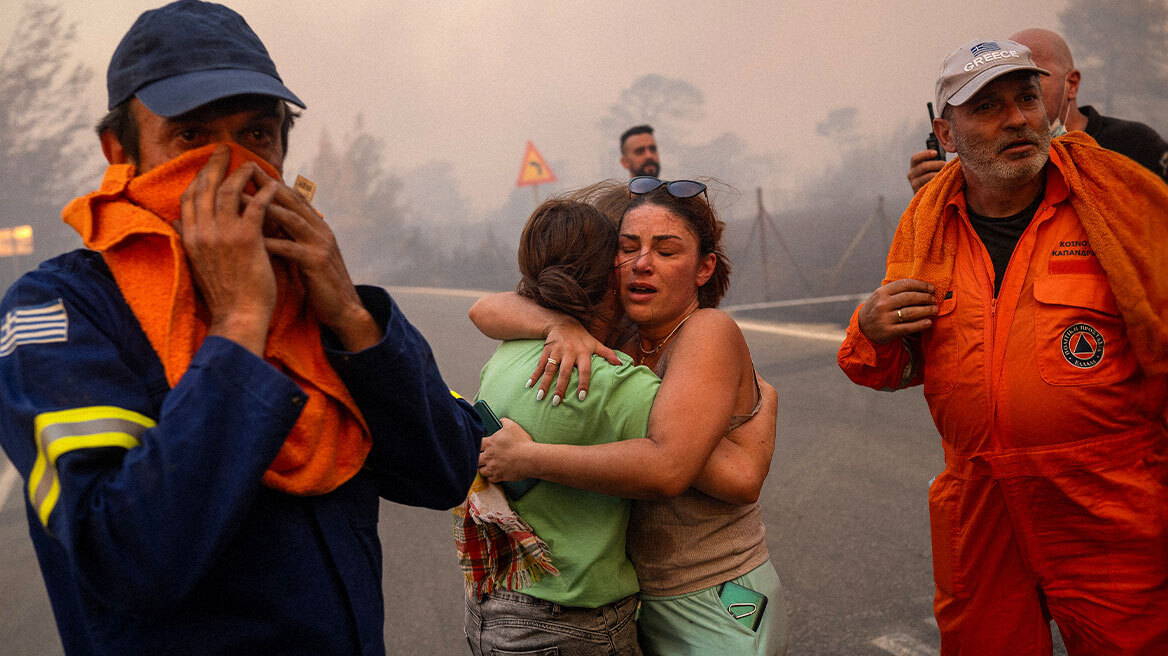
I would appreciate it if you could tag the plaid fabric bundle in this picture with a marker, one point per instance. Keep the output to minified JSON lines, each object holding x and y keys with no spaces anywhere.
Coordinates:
{"x":496,"y":548}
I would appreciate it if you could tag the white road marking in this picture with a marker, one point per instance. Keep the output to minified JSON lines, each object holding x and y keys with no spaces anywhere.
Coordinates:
{"x":8,"y":481}
{"x":899,"y":644}
{"x":790,"y":330}
{"x":797,"y":302}
{"x":793,"y":330}
{"x":439,"y":291}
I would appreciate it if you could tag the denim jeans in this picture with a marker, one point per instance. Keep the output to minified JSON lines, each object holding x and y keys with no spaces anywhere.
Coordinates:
{"x":515,"y":624}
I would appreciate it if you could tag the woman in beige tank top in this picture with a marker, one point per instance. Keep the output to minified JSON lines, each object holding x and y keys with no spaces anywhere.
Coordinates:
{"x":693,"y":551}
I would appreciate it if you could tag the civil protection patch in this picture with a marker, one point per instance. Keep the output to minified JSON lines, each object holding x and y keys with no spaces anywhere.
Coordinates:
{"x":1082,"y":345}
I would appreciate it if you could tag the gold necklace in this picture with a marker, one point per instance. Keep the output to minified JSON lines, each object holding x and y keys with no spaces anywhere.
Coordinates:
{"x":655,"y":349}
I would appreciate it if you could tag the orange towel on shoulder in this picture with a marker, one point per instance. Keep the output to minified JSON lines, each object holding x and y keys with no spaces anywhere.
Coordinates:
{"x":128,"y":219}
{"x":1123,"y":209}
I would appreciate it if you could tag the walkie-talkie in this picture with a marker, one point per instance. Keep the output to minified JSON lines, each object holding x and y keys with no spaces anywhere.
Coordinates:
{"x":931,"y":142}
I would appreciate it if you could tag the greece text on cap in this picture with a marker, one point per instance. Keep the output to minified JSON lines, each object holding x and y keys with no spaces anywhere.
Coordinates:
{"x":989,"y":57}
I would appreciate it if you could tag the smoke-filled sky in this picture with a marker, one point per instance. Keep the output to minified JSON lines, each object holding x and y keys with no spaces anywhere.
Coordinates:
{"x":469,"y":82}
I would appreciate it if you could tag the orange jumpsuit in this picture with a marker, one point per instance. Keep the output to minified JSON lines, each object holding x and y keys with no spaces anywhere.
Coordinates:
{"x":1054,"y":498}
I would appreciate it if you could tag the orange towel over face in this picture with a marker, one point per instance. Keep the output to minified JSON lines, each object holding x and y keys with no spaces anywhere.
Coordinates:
{"x":129,"y":221}
{"x":1123,"y":209}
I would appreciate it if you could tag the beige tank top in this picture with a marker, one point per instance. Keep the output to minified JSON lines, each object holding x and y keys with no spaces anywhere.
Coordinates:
{"x":694,"y":541}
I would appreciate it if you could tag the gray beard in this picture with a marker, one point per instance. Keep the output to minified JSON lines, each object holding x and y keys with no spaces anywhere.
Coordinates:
{"x":985,"y":163}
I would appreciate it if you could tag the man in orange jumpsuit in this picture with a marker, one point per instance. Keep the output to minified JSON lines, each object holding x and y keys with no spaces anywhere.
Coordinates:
{"x":1026,"y":290}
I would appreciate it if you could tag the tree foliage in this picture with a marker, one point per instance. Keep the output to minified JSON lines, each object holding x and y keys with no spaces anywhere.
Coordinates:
{"x":43,"y":162}
{"x":839,"y":125}
{"x":727,"y":160}
{"x":361,"y":202}
{"x":653,"y":99}
{"x":664,"y":103}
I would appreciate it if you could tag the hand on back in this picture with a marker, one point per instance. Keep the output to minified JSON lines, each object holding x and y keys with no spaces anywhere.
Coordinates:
{"x":568,"y":346}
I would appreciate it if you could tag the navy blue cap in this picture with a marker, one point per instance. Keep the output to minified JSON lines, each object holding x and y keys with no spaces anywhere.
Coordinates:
{"x":187,"y":54}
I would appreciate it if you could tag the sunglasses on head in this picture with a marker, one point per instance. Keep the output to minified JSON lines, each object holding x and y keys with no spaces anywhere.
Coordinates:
{"x":643,"y":184}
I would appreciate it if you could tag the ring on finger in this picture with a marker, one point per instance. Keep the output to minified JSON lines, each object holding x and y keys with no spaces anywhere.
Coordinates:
{"x":899,"y":316}
{"x":553,"y":361}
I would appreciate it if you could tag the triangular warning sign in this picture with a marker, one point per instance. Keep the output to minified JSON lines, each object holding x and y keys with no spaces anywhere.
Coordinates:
{"x":535,"y":169}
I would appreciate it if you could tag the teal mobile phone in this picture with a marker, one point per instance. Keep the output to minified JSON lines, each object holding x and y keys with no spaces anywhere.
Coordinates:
{"x":743,"y":604}
{"x":491,"y":423}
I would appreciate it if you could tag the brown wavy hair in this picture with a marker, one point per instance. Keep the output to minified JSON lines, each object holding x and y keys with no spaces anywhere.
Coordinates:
{"x":565,"y":257}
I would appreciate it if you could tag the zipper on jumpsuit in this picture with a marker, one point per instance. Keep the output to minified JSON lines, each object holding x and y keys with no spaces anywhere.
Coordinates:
{"x":1040,"y":215}
{"x":987,"y":278}
{"x":1022,"y":532}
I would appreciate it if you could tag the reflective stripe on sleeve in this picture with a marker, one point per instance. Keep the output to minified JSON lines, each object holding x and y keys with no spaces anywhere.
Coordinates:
{"x":78,"y":428}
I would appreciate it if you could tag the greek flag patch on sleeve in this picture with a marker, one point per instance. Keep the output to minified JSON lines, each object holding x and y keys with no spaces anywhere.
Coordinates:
{"x":38,"y":324}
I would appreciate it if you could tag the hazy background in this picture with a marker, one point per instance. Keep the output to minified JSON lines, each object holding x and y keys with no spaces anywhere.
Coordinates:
{"x":418,"y":113}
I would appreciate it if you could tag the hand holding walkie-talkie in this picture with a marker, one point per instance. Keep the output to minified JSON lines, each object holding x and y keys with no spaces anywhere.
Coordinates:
{"x":931,"y":142}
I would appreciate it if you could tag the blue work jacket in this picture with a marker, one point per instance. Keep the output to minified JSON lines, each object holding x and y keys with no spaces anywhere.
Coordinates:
{"x":152,"y":528}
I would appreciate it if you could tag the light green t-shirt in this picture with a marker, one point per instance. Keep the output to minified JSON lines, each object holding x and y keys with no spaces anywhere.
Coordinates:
{"x":584,"y":530}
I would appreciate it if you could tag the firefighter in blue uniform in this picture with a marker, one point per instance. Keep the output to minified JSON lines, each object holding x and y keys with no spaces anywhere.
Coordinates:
{"x":150,"y":496}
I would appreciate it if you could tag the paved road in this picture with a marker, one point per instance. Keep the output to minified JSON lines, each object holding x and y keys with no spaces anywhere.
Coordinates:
{"x":845,"y":510}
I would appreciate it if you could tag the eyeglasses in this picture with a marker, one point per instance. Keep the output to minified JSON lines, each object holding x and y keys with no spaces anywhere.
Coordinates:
{"x":643,"y":184}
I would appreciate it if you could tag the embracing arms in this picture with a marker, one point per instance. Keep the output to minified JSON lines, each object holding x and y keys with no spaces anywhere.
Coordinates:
{"x":741,"y":461}
{"x":686,"y":427}
{"x":507,"y":315}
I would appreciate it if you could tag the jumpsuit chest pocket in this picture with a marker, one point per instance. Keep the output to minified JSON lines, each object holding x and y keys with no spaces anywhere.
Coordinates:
{"x":940,"y":348}
{"x":1080,"y":337}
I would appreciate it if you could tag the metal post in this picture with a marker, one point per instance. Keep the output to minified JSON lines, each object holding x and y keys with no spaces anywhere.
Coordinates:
{"x":765,"y":218}
{"x":876,"y":214}
{"x":766,"y":270}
